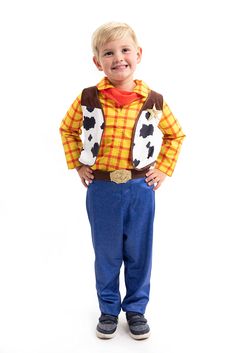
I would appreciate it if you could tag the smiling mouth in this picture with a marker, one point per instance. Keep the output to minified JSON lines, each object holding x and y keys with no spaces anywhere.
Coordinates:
{"x":119,"y":67}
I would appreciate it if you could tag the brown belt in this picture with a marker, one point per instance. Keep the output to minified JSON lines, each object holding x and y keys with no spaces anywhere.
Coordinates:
{"x":119,"y":176}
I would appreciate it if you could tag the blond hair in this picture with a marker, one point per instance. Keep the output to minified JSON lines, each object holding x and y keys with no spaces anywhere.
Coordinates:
{"x":111,"y":31}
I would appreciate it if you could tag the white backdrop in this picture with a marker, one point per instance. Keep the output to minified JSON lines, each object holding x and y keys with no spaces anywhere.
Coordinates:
{"x":47,"y":295}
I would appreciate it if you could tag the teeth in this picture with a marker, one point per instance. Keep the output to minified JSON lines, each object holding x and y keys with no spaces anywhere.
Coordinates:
{"x":121,"y":66}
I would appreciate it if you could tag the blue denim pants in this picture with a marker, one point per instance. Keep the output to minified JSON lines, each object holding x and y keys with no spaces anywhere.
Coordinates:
{"x":121,"y":217}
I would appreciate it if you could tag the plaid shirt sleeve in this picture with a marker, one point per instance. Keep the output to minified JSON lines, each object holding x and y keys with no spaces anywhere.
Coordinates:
{"x":70,"y":130}
{"x":171,"y":142}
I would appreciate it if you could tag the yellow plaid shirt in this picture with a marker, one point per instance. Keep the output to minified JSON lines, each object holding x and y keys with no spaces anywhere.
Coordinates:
{"x":115,"y":147}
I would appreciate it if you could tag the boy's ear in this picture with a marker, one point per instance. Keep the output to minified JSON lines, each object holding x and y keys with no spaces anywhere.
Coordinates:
{"x":97,"y":64}
{"x":139,"y":54}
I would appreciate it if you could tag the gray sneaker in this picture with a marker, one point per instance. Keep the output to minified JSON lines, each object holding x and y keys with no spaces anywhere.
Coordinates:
{"x":107,"y":326}
{"x":139,"y":329}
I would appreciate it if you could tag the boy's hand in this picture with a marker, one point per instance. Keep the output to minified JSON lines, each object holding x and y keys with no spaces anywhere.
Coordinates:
{"x":85,"y":174}
{"x":155,"y":176}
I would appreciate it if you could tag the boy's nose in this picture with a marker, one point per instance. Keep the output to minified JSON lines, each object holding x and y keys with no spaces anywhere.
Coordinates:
{"x":118,"y":57}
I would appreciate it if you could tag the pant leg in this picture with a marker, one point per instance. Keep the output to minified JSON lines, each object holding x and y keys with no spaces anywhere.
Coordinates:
{"x":137,"y":246}
{"x":106,"y":220}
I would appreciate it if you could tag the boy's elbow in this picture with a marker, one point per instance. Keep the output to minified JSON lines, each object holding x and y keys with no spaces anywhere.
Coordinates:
{"x":181,"y":135}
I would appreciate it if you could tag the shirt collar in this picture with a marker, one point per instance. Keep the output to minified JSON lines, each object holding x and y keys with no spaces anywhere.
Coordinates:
{"x":140,"y":88}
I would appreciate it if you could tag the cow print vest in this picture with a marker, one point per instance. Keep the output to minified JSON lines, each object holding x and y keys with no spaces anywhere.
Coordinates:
{"x":144,"y":136}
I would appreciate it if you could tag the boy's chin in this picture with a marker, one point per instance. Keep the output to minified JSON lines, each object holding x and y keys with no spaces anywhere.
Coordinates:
{"x":120,"y":76}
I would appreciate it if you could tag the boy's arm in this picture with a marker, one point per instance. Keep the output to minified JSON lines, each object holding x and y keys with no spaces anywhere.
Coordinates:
{"x":70,"y":130}
{"x":173,"y":137}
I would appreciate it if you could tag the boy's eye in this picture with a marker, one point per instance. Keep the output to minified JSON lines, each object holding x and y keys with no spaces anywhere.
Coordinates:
{"x":125,"y":50}
{"x":108,"y":53}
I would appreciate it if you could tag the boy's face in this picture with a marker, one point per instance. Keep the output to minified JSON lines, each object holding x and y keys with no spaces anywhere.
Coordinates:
{"x":118,"y":59}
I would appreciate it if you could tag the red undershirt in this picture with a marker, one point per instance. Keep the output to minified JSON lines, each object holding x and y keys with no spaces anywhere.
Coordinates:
{"x":121,"y":97}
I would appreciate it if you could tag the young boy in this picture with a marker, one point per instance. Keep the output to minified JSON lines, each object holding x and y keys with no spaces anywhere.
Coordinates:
{"x":119,"y":164}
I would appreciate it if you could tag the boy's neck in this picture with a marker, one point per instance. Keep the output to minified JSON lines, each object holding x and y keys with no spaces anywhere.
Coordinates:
{"x":125,"y":86}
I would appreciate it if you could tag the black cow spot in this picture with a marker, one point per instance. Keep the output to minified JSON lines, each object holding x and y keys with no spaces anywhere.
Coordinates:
{"x":88,"y":123}
{"x":102,"y":126}
{"x":89,"y":109}
{"x":146,"y":130}
{"x":95,"y":149}
{"x":150,"y":149}
{"x":147,"y":115}
{"x":136,"y":162}
{"x":150,"y":153}
{"x":90,"y":137}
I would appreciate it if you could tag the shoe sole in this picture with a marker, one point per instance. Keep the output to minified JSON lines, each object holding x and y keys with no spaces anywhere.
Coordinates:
{"x":140,"y":337}
{"x":105,"y":336}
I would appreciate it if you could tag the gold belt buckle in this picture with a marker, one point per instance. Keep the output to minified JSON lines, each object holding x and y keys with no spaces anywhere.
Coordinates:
{"x":120,"y":176}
